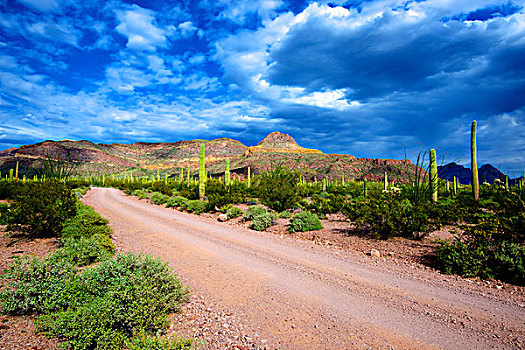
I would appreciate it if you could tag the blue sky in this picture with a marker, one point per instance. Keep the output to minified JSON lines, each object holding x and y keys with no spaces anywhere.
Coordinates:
{"x":356,"y":77}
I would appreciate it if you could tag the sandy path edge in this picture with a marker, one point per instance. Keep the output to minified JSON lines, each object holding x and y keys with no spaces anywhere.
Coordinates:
{"x":302,"y":296}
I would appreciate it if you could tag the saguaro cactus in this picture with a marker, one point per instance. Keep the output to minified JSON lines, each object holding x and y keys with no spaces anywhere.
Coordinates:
{"x":202,"y":172}
{"x":385,"y":183}
{"x":181,"y":176}
{"x":433,"y":175}
{"x":227,"y":173}
{"x":16,"y":171}
{"x":474,"y":162}
{"x":249,"y":177}
{"x":365,"y":193}
{"x":455,"y":186}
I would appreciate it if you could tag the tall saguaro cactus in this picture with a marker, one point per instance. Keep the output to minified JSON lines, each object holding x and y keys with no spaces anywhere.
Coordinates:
{"x":227,"y":173}
{"x":202,"y":172}
{"x":433,"y":175}
{"x":16,"y":172}
{"x":385,"y":183}
{"x":249,"y":177}
{"x":474,"y":162}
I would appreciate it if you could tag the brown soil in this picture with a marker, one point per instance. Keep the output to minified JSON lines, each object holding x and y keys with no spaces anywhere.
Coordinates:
{"x":252,"y":289}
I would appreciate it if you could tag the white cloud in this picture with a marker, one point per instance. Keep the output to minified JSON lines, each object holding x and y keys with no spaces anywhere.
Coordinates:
{"x":187,"y":29}
{"x":138,"y":25}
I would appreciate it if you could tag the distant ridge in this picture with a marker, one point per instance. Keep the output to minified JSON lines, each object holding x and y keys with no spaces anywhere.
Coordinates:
{"x":145,"y":158}
{"x":487,"y":173}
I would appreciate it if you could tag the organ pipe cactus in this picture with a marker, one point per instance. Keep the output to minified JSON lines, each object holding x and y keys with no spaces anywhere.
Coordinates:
{"x":433,"y":177}
{"x":474,"y":162}
{"x":227,"y":173}
{"x":202,"y":172}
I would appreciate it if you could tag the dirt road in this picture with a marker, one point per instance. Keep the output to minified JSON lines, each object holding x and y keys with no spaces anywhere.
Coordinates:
{"x":302,"y":296}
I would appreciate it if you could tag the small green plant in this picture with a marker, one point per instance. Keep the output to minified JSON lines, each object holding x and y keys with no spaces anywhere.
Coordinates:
{"x":145,"y":341}
{"x":196,"y":206}
{"x":253,"y":211}
{"x":285,"y":214}
{"x":262,"y":221}
{"x":159,"y":198}
{"x":304,"y":221}
{"x":177,"y":201}
{"x":233,"y":212}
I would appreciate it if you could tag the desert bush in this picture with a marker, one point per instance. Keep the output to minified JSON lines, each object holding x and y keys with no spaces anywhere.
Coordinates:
{"x":277,"y":188}
{"x":481,"y":251}
{"x":141,"y":194}
{"x":253,"y":211}
{"x":175,"y":202}
{"x":85,"y":251}
{"x":388,"y":216}
{"x":285,"y":214}
{"x":262,"y":221}
{"x":4,"y":213}
{"x":198,"y":207}
{"x":112,"y":301}
{"x":33,"y":285}
{"x":159,"y":198}
{"x":162,"y":187}
{"x":145,"y":341}
{"x":220,"y":194}
{"x":39,"y":209}
{"x":233,"y":212}
{"x":327,"y":203}
{"x":304,"y":221}
{"x":8,"y":189}
{"x":85,"y":223}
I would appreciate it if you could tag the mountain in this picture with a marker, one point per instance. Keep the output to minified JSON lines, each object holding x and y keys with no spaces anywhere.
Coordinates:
{"x":487,"y":173}
{"x":147,"y":158}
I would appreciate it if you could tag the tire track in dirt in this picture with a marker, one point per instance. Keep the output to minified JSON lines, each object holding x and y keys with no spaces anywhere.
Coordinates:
{"x":303,"y":296}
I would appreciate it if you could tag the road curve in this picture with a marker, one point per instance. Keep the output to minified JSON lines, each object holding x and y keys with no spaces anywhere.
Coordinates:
{"x":304,"y":296}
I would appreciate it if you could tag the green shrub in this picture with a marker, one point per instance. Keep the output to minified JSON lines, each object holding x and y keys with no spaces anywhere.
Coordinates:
{"x":85,"y":251}
{"x":220,"y":194}
{"x":86,"y":223}
{"x":262,"y":221}
{"x":141,"y":194}
{"x":233,"y":212}
{"x":4,"y":213}
{"x":459,"y":258}
{"x":175,"y":202}
{"x":162,"y":187}
{"x":285,"y":214}
{"x":278,"y":188}
{"x":253,"y":211}
{"x":114,"y":300}
{"x":304,"y":221}
{"x":40,"y":209}
{"x":33,"y":285}
{"x":144,"y":341}
{"x":198,"y":207}
{"x":159,"y":198}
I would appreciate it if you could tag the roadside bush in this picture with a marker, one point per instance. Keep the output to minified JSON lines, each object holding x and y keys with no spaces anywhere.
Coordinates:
{"x":86,"y":223}
{"x":278,"y":188}
{"x":4,"y":213}
{"x":8,"y":189}
{"x":85,"y":251}
{"x":220,"y":194}
{"x":328,"y":203}
{"x":480,"y":251}
{"x":162,"y":187}
{"x":33,"y":285}
{"x":198,"y":207}
{"x":304,"y":221}
{"x":141,"y":194}
{"x":233,"y":212}
{"x":253,"y":211}
{"x":388,"y":216}
{"x":40,"y":209}
{"x":145,"y":341}
{"x":285,"y":214}
{"x":114,"y":300}
{"x":159,"y":198}
{"x":175,"y":202}
{"x":262,"y":221}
